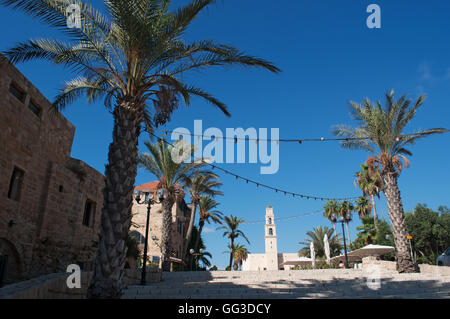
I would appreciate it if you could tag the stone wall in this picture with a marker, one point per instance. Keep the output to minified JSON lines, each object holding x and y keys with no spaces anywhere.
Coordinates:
{"x":434,"y":270}
{"x":54,"y":286}
{"x":42,"y":230}
{"x":180,"y":223}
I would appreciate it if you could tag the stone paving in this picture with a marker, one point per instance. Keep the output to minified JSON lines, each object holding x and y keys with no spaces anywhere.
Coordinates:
{"x":330,"y":283}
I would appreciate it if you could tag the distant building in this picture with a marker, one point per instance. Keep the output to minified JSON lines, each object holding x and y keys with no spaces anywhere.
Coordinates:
{"x":50,"y":203}
{"x":180,"y":222}
{"x":271,"y":259}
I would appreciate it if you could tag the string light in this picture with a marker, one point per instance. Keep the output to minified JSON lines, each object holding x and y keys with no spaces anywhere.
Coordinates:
{"x":284,"y":218}
{"x":267,"y":186}
{"x":297,"y":140}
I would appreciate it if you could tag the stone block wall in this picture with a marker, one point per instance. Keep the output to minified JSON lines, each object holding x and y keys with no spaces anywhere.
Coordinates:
{"x":42,"y":230}
{"x":54,"y":286}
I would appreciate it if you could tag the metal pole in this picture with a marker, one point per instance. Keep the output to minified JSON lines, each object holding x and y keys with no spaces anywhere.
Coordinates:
{"x":345,"y":246}
{"x":410,"y":247}
{"x":144,"y":266}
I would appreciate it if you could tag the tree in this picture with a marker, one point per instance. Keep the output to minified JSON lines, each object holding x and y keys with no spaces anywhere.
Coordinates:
{"x":316,"y":236}
{"x":199,"y":183}
{"x":376,"y":235}
{"x":132,"y":56}
{"x":208,"y":213}
{"x":133,"y":252}
{"x":171,"y":174}
{"x":345,"y":209}
{"x":430,"y":230}
{"x":380,"y":133}
{"x":232,"y":232}
{"x":330,"y":211}
{"x":204,"y":258}
{"x":371,"y":184}
{"x":240,"y":254}
{"x":363,"y":207}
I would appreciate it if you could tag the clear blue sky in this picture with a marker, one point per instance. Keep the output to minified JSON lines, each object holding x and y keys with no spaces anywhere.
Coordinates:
{"x":328,"y":57}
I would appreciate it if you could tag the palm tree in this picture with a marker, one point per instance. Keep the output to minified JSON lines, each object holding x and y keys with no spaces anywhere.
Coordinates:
{"x":371,"y":184}
{"x":380,"y":133}
{"x":330,"y":211}
{"x":316,"y":236}
{"x":203,"y":258}
{"x":345,"y":209}
{"x":232,"y":232}
{"x":171,"y":175}
{"x":363,"y":207}
{"x":240,"y":254}
{"x":208,"y":213}
{"x":199,"y":182}
{"x":132,"y":56}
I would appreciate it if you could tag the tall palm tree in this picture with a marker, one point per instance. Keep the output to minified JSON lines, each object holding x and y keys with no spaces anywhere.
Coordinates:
{"x":330,"y":211}
{"x":380,"y":132}
{"x":208,"y":213}
{"x":200,"y":182}
{"x":232,"y":232}
{"x":371,"y":184}
{"x":316,"y":236}
{"x":240,"y":254}
{"x":132,"y":56}
{"x":345,"y":209}
{"x":171,"y":175}
{"x":363,"y":207}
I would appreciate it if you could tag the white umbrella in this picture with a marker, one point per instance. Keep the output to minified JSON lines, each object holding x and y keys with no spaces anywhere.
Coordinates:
{"x":313,"y":254}
{"x":371,"y":250}
{"x":327,"y":248}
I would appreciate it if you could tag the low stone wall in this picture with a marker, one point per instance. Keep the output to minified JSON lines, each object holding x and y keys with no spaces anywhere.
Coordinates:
{"x":434,"y":270}
{"x":382,"y":265}
{"x":54,"y":286}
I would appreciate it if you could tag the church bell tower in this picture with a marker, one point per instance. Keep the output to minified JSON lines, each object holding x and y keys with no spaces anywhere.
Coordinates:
{"x":271,"y":240}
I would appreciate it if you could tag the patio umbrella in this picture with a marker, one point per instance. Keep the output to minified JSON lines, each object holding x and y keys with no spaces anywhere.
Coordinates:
{"x":327,"y":248}
{"x":371,"y":250}
{"x":313,"y":254}
{"x":298,"y":261}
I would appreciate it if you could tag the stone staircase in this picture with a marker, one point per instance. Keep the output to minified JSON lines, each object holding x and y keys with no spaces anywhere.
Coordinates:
{"x":329,"y":283}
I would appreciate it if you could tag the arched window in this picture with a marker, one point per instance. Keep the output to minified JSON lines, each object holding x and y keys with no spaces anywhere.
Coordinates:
{"x":270,"y":220}
{"x":138,"y":236}
{"x":270,"y":232}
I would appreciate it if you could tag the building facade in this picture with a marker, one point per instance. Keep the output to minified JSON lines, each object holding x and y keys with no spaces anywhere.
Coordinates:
{"x":180,"y":222}
{"x":50,"y":203}
{"x":271,"y":259}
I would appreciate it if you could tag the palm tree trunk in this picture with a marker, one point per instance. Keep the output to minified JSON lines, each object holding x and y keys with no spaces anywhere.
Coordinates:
{"x":231,"y":252}
{"x":348,"y":235}
{"x":335,"y":232}
{"x":396,"y":216}
{"x":187,"y":239}
{"x":375,"y":216}
{"x":166,"y":232}
{"x":120,"y":174}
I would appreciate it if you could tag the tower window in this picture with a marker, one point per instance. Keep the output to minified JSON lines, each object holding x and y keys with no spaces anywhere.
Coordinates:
{"x":270,"y":220}
{"x":15,"y":184}
{"x":89,"y":213}
{"x":270,"y":232}
{"x":18,"y":93}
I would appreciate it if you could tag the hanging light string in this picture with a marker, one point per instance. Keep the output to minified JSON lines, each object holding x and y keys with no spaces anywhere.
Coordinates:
{"x":258,"y":184}
{"x":285,"y":218}
{"x":296,"y":140}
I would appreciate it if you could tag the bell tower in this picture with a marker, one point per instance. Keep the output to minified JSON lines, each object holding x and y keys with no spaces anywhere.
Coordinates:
{"x":271,"y":240}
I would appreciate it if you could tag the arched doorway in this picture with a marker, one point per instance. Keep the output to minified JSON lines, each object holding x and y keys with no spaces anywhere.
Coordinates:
{"x":10,"y":256}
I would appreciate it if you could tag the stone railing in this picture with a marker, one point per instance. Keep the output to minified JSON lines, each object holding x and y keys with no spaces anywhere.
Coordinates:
{"x":54,"y":286}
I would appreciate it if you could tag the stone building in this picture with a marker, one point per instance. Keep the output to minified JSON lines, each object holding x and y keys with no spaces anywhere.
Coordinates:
{"x":180,"y":222}
{"x":271,"y":259}
{"x":50,"y":203}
